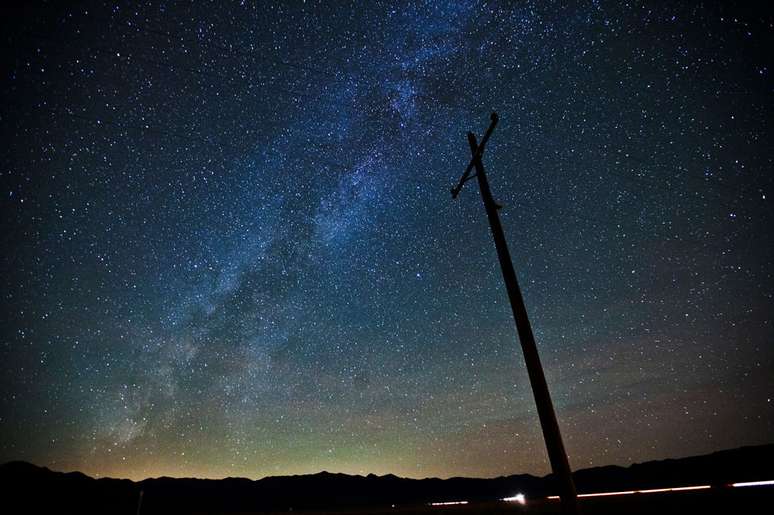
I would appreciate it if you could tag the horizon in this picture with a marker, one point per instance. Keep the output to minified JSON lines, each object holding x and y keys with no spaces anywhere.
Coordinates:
{"x":333,"y":472}
{"x":231,"y":248}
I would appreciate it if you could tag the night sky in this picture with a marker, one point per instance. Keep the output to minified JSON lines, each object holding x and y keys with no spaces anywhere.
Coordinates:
{"x":229,"y":246}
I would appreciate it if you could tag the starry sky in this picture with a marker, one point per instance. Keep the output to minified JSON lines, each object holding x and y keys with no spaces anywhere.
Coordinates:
{"x":229,"y":246}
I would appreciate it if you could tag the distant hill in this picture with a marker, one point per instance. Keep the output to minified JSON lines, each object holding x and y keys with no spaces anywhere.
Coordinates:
{"x":40,"y":490}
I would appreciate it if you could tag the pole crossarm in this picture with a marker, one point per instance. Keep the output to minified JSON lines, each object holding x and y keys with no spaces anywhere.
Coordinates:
{"x":476,"y":156}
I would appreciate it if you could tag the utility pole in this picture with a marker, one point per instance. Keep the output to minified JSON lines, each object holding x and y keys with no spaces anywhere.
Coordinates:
{"x":545,"y":408}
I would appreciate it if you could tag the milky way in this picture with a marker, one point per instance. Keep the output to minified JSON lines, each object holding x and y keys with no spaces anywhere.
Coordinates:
{"x":229,"y":246}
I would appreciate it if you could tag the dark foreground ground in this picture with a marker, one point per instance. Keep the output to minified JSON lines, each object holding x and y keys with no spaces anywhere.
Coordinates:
{"x":756,"y":500}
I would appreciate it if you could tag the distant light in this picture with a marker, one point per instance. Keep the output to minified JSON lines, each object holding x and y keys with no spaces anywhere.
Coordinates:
{"x":447,"y":503}
{"x":753,"y":483}
{"x":650,"y":491}
{"x":519,"y":498}
{"x":678,"y":489}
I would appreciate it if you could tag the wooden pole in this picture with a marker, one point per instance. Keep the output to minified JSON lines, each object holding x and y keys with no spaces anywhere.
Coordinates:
{"x":553,"y":437}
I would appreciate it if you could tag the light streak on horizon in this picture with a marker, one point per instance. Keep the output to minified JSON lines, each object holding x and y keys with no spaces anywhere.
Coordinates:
{"x":649,"y":491}
{"x":519,"y":498}
{"x":753,"y":483}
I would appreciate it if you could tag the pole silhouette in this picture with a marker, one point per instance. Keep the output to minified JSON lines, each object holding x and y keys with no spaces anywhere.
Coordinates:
{"x":553,"y":437}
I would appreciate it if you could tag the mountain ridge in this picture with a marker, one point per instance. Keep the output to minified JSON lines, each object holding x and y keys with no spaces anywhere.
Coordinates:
{"x":78,"y":492}
{"x":324,"y":473}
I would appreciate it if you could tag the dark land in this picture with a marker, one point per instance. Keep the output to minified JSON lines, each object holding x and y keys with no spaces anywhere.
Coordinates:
{"x":31,"y":489}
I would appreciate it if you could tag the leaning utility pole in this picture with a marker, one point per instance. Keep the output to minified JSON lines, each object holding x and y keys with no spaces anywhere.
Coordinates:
{"x":545,"y":408}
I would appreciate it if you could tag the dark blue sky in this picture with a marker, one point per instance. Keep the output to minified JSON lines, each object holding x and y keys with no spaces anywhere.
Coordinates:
{"x":229,"y":246}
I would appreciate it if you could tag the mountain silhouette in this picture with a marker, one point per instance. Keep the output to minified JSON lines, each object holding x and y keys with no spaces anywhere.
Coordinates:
{"x":39,"y":490}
